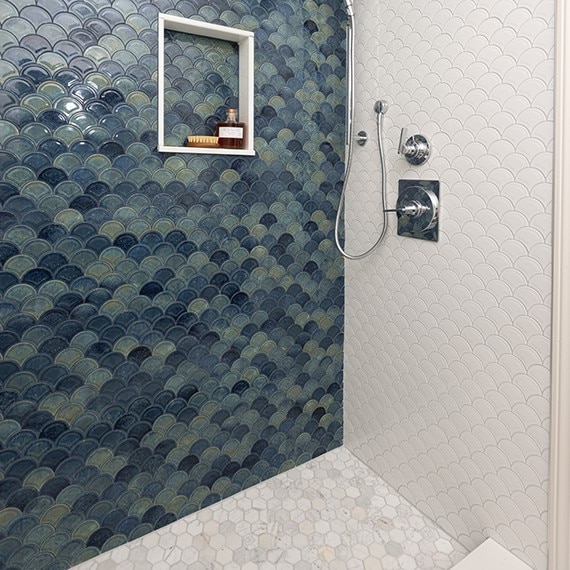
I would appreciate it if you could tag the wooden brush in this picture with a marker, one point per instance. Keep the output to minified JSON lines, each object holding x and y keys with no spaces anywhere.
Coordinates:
{"x":202,"y":141}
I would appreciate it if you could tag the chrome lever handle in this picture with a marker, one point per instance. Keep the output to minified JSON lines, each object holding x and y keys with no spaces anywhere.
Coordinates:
{"x":402,"y":142}
{"x":416,"y":149}
{"x":412,"y":209}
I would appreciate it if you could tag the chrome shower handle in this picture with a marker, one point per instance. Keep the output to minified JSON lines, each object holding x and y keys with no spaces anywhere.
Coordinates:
{"x":416,"y":149}
{"x":412,"y":209}
{"x":402,"y":142}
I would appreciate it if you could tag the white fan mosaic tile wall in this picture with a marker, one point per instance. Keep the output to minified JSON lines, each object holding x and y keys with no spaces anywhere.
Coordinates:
{"x":447,"y":344}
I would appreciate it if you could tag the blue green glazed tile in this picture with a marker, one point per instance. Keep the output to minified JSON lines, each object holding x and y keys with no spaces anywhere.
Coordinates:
{"x":19,"y":27}
{"x":68,"y":162}
{"x":68,"y":105}
{"x":98,"y":81}
{"x":52,"y":90}
{"x":7,"y":70}
{"x":150,"y":301}
{"x":82,"y":120}
{"x":68,"y":134}
{"x":36,"y":132}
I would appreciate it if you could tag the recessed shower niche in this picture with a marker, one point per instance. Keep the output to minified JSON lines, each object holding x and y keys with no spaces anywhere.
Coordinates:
{"x":203,"y":69}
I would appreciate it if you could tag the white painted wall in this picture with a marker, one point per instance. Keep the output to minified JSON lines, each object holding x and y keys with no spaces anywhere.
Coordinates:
{"x":447,"y":344}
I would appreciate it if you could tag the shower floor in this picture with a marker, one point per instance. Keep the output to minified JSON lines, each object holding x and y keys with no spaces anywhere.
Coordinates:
{"x":330,"y":513}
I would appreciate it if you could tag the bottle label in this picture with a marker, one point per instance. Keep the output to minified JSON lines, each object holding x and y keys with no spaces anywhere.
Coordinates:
{"x":230,"y":133}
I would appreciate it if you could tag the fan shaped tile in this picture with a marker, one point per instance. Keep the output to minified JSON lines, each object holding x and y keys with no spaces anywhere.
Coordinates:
{"x":424,"y":324}
{"x":118,"y":281}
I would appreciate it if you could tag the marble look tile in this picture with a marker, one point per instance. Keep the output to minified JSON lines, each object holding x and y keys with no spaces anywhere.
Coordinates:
{"x":332,"y":512}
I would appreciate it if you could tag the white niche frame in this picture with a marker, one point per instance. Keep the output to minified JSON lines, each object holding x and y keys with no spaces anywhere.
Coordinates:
{"x":244,"y":39}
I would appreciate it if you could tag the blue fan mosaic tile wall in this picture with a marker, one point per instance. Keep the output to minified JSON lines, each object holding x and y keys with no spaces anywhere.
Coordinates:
{"x":170,"y":325}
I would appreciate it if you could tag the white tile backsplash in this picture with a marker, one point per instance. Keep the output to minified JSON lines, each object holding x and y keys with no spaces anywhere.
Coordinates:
{"x":447,"y":344}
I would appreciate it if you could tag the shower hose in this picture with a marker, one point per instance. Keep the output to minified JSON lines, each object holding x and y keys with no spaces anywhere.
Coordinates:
{"x":380,"y":108}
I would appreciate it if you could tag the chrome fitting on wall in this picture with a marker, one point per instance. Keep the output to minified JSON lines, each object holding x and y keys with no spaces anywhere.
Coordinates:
{"x":418,"y":209}
{"x":361,"y":138}
{"x":416,"y":149}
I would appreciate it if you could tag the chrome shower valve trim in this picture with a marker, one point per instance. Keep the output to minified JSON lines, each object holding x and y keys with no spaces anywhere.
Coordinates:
{"x":416,"y":149}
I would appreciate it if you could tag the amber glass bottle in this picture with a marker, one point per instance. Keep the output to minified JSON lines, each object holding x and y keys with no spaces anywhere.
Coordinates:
{"x":231,"y":133}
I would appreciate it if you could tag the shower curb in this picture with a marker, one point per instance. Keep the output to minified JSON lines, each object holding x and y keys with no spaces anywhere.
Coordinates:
{"x":491,"y":556}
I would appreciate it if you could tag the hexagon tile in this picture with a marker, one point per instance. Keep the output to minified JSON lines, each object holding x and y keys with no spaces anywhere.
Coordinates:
{"x":328,"y":514}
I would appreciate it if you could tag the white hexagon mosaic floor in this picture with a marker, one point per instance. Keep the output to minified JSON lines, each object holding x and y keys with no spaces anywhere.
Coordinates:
{"x":331,"y":513}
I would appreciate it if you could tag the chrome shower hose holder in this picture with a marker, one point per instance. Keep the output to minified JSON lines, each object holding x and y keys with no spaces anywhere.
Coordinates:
{"x":380,"y":108}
